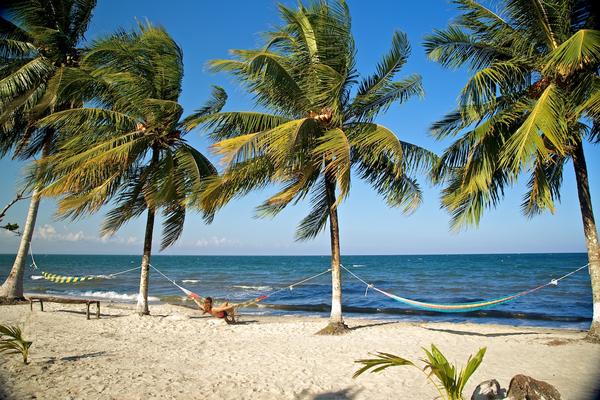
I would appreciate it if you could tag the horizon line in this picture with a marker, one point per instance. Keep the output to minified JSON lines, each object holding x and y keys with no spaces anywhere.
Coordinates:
{"x":305,"y":255}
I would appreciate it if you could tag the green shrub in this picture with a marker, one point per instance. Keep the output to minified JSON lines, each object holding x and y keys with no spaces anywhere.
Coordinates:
{"x":449,"y":380}
{"x":11,"y":341}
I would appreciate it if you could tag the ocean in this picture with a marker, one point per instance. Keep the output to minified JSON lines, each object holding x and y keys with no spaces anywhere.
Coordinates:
{"x":429,"y":278}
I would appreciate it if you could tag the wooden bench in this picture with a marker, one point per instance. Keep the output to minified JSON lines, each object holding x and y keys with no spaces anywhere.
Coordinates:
{"x":64,"y":300}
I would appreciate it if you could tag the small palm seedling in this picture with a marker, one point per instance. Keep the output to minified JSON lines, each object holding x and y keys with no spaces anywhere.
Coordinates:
{"x":12,"y":342}
{"x":449,"y":379}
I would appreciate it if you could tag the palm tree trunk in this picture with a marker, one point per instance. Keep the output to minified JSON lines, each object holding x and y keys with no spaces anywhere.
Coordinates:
{"x":591,"y":237}
{"x":336,"y":324}
{"x":142,"y":301}
{"x":12,"y":288}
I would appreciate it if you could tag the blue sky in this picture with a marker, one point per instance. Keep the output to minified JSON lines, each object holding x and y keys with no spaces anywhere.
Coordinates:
{"x":207,"y":30}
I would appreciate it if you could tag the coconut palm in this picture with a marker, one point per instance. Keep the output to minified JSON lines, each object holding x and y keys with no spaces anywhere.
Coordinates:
{"x":532,"y":100}
{"x":128,"y":145}
{"x":38,"y":42}
{"x":314,"y":131}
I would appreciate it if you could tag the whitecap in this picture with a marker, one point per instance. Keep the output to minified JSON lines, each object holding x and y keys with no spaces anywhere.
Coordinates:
{"x":358,"y":265}
{"x":36,"y":277}
{"x":111,"y":295}
{"x":259,"y":288}
{"x":190,"y":280}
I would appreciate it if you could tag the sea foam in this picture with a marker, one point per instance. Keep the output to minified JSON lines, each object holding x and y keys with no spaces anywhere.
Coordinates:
{"x":111,"y":295}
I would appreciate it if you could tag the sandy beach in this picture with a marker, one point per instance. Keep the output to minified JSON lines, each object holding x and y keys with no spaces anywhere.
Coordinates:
{"x":178,"y":353}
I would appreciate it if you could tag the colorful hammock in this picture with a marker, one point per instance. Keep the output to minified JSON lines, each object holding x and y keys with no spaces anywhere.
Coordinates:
{"x":76,"y":279}
{"x":67,"y":279}
{"x":460,"y":307}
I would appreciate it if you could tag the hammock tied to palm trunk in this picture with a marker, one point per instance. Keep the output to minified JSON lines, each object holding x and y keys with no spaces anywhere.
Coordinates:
{"x":460,"y":307}
{"x":195,"y":296}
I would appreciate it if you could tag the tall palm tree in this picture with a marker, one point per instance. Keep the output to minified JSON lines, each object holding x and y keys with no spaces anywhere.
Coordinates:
{"x":128,"y":146}
{"x":531,"y":102}
{"x":315,"y":132}
{"x":38,"y":43}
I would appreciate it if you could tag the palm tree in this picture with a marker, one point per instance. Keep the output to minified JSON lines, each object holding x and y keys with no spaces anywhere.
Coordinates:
{"x":533,"y":98}
{"x":315,"y":132}
{"x":130,"y":148}
{"x":38,"y":43}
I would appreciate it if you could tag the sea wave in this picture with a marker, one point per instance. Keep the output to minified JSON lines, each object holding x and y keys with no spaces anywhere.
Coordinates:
{"x":258,"y":288}
{"x":111,"y":295}
{"x":190,"y":280}
{"x":36,"y":277}
{"x":358,"y":265}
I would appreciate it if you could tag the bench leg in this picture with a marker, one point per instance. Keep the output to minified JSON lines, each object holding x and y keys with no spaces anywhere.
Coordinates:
{"x":41,"y":305}
{"x":30,"y":305}
{"x":98,"y":310}
{"x":88,"y":310}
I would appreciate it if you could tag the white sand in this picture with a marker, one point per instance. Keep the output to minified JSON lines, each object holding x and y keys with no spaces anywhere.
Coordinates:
{"x":178,"y":354}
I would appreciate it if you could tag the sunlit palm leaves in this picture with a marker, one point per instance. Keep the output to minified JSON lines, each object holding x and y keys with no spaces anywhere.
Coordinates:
{"x":314,"y":132}
{"x":12,"y":342}
{"x":450,"y":382}
{"x":534,"y":85}
{"x":127,"y":144}
{"x":38,"y":44}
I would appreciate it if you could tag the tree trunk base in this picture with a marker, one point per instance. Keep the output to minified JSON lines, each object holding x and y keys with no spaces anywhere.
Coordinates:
{"x":337,"y":328}
{"x":9,"y":301}
{"x":142,"y":313}
{"x":593,"y":334}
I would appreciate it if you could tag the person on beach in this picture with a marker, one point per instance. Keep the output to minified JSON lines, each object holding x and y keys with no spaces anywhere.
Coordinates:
{"x":225,"y":311}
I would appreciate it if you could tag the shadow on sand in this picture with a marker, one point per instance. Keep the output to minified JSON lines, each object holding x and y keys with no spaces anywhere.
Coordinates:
{"x":344,"y":394}
{"x":92,"y":314}
{"x":354,"y":328}
{"x":4,"y":393}
{"x":471,"y":333}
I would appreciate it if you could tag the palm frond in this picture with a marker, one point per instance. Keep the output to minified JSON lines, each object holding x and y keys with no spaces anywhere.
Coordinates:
{"x":580,"y":51}
{"x":224,"y":125}
{"x":210,"y":108}
{"x":387,"y":68}
{"x":381,"y":362}
{"x":334,"y":147}
{"x":174,"y":217}
{"x":317,"y":218}
{"x":543,"y":186}
{"x":543,"y":131}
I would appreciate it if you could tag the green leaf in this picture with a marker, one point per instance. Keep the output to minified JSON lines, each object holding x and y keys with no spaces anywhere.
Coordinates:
{"x":578,"y":52}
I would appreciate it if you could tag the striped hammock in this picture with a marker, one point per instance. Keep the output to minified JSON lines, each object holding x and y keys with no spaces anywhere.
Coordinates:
{"x":68,"y":279}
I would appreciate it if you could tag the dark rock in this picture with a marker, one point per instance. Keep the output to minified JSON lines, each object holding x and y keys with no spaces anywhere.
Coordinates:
{"x":526,"y":388}
{"x":488,"y":390}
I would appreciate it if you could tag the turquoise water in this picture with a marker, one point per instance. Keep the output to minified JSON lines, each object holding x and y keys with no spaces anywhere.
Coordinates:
{"x":430,"y":278}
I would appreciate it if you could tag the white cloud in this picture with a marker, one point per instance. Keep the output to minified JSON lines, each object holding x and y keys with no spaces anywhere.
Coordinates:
{"x":214,"y":241}
{"x":46,"y":232}
{"x":49,"y":233}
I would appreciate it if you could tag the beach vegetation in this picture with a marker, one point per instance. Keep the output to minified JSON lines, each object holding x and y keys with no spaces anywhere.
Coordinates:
{"x":530,"y":104}
{"x":40,"y":41}
{"x":447,"y":379}
{"x":127,"y":144}
{"x":12,"y":342}
{"x":318,"y":127}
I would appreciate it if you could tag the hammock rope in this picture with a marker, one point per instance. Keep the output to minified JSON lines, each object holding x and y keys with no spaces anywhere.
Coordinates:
{"x":33,"y":265}
{"x":196,"y":296}
{"x":459,"y":307}
{"x":75,"y":279}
